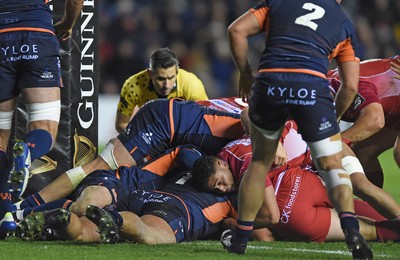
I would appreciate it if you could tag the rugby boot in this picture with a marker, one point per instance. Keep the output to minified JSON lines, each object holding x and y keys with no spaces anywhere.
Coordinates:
{"x":7,"y":225}
{"x":108,"y":230}
{"x":226,"y":240}
{"x":19,"y":174}
{"x":357,"y":245}
{"x":36,"y":225}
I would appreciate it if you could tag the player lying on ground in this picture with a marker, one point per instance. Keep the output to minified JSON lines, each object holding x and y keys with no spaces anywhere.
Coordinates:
{"x":106,"y":187}
{"x":228,"y":167}
{"x":175,"y":213}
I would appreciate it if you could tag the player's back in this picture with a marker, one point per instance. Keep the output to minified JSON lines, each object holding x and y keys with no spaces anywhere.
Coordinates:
{"x":302,"y":34}
{"x":378,"y":73}
{"x":204,"y":210}
{"x":25,"y":14}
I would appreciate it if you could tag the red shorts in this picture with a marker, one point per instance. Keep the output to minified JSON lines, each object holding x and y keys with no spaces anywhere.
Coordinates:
{"x":303,"y":204}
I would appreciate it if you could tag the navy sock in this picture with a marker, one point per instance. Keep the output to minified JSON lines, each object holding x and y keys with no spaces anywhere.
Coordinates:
{"x":243,"y":231}
{"x":32,"y":200}
{"x":39,"y":142}
{"x":5,"y":196}
{"x":61,"y":203}
{"x":4,"y":171}
{"x":348,"y":221}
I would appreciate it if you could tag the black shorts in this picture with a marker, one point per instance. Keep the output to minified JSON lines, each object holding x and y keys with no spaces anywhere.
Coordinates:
{"x":28,"y":60}
{"x":303,"y":97}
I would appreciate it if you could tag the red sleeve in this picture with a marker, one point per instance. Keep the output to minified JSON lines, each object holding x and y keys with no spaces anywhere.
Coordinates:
{"x":366,"y":95}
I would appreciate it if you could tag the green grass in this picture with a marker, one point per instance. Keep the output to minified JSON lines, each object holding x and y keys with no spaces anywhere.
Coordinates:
{"x":392,"y":174}
{"x":13,"y":249}
{"x":16,"y":249}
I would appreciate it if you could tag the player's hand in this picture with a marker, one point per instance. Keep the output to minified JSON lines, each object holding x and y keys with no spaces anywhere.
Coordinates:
{"x":63,"y":31}
{"x":281,"y":155}
{"x":395,"y":66}
{"x":245,"y":82}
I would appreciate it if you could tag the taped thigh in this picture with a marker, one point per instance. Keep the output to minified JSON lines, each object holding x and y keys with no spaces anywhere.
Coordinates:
{"x":272,"y":135}
{"x":44,"y":111}
{"x":335,"y":177}
{"x":324,"y":147}
{"x":6,"y":119}
{"x":351,"y":164}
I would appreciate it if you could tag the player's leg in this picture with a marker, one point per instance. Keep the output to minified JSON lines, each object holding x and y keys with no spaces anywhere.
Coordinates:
{"x":43,"y":108}
{"x":319,"y":128}
{"x":113,"y":155}
{"x":252,"y":186}
{"x":364,"y":189}
{"x":396,"y":150}
{"x":147,"y":229}
{"x":63,"y":185}
{"x":63,"y":224}
{"x":92,"y":195}
{"x":6,"y":220}
{"x":379,"y":199}
{"x":327,"y":155}
{"x":367,"y":152}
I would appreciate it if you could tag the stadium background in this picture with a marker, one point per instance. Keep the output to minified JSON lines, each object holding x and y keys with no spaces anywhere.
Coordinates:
{"x":196,"y":30}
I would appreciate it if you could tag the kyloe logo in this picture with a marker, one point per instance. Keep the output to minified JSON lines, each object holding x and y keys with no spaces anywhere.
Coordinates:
{"x":147,"y":137}
{"x":47,"y":75}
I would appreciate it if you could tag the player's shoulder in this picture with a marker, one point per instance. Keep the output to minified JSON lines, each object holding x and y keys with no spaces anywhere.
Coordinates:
{"x":139,"y":79}
{"x":141,"y":76}
{"x":185,"y":76}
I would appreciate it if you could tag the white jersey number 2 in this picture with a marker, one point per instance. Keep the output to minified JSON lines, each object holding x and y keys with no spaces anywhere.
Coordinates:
{"x":317,"y":12}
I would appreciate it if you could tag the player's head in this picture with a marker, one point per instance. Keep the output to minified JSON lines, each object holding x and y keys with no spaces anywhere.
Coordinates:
{"x":212,"y":174}
{"x":163,"y":70}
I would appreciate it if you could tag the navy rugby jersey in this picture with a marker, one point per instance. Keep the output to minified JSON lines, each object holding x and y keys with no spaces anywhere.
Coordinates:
{"x":296,"y":29}
{"x":25,"y":15}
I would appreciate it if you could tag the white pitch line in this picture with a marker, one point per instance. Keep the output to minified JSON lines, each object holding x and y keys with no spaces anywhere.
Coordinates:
{"x":337,"y":252}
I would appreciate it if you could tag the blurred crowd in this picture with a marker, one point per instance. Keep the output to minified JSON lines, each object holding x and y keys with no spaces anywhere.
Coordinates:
{"x":196,"y":31}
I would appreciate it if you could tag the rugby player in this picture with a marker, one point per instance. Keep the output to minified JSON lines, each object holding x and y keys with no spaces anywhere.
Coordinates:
{"x":30,"y":66}
{"x":302,"y":38}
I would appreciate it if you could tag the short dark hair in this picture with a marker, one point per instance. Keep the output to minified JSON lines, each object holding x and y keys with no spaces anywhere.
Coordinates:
{"x":163,"y":58}
{"x":203,"y":169}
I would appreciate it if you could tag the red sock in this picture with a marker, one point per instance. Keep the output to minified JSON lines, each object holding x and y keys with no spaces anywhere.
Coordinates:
{"x":362,"y":208}
{"x":386,"y":230}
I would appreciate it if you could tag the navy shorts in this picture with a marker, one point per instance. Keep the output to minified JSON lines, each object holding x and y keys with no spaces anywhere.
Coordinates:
{"x":303,"y":97}
{"x":163,"y":205}
{"x":120,"y":183}
{"x":28,"y":60}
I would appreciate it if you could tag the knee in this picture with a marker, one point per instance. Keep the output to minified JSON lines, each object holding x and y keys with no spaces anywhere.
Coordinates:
{"x":79,"y":207}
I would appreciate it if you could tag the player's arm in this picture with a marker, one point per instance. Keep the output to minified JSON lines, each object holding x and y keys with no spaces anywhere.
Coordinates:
{"x":64,"y":27}
{"x":268,"y":214}
{"x":238,"y":32}
{"x":349,"y":73}
{"x":194,"y":88}
{"x":280,"y":155}
{"x":395,"y":66}
{"x":396,"y":150}
{"x":127,"y":106}
{"x":122,"y":120}
{"x":370,"y":121}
